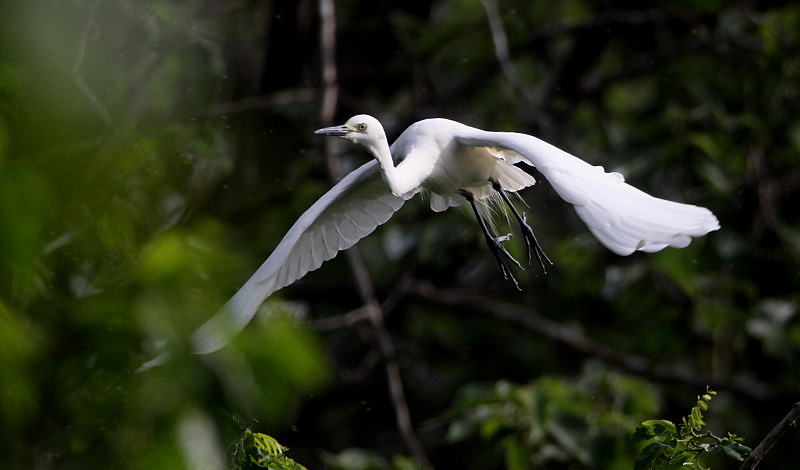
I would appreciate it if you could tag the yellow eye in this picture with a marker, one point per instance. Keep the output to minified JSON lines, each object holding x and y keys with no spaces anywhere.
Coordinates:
{"x":361,"y":127}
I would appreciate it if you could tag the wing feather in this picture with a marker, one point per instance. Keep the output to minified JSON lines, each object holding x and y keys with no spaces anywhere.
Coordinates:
{"x":351,"y":210}
{"x":622,"y":217}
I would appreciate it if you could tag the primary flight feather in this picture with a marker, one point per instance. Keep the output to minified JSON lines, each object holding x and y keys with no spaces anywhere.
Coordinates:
{"x":454,"y":163}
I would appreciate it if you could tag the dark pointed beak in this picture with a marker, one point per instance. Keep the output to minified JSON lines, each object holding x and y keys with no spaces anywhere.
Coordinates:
{"x":337,"y":131}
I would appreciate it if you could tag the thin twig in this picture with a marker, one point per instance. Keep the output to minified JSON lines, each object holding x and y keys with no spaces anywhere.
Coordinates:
{"x":357,"y":266}
{"x":574,"y":338}
{"x":90,"y":94}
{"x":330,"y":81}
{"x":772,"y":437}
{"x":360,"y":314}
{"x":533,"y":104}
{"x":501,"y":52}
{"x":341,"y":321}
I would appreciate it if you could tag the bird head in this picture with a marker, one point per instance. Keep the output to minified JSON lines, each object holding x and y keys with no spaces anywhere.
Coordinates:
{"x":361,"y":129}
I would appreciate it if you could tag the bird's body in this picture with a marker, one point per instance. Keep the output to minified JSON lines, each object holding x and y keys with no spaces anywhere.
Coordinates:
{"x":432,"y":160}
{"x":454,"y":163}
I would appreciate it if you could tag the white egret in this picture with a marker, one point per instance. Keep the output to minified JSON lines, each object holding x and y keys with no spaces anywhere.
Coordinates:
{"x":453,"y":163}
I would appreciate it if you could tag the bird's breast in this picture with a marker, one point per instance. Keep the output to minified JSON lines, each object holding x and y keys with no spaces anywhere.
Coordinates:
{"x":458,"y":167}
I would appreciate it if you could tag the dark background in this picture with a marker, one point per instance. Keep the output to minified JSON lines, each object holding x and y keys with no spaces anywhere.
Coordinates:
{"x":153,"y":153}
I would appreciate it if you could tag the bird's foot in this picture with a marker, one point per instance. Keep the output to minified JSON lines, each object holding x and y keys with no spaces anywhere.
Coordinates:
{"x":500,"y":253}
{"x":531,"y":244}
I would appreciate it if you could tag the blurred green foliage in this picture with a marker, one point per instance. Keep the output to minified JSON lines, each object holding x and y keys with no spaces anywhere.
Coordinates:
{"x":553,"y":422}
{"x":153,"y":152}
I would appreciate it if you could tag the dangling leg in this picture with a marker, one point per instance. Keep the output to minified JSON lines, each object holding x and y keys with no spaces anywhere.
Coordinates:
{"x":527,"y":231}
{"x":495,"y":244}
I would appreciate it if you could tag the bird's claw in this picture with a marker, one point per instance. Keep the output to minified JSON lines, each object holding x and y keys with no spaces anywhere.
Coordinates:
{"x":530,"y":239}
{"x":531,"y":244}
{"x":499,"y":251}
{"x":504,"y":238}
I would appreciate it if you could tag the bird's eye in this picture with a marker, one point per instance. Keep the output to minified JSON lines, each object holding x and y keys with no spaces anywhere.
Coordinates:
{"x":361,"y":127}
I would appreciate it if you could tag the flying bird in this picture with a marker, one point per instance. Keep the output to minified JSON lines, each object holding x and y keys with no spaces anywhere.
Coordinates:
{"x":454,"y":163}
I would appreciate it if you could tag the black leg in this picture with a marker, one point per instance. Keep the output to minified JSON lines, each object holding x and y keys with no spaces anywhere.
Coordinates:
{"x":495,"y":244}
{"x":527,"y":231}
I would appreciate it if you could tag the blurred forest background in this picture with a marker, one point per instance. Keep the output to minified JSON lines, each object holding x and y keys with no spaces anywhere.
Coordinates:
{"x":154,"y":152}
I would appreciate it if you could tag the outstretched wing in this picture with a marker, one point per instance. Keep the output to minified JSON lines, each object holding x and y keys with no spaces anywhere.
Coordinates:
{"x":347,"y":213}
{"x":622,"y":217}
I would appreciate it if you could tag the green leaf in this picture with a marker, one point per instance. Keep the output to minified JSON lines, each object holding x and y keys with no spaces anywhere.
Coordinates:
{"x":661,"y":426}
{"x":671,"y":441}
{"x":262,"y":451}
{"x":702,"y":405}
{"x":737,"y":451}
{"x":642,"y":433}
{"x":648,"y":455}
{"x":677,"y":462}
{"x":268,"y":444}
{"x":697,"y":419}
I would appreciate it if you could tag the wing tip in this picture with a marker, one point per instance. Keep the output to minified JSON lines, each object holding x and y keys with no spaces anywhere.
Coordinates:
{"x":626,"y":244}
{"x":209,"y":338}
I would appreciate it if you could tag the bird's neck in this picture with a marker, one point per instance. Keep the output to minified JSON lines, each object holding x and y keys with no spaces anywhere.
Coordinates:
{"x":392,"y":175}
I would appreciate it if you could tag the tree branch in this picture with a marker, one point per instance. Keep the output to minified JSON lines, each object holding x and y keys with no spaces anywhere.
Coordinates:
{"x":574,"y":338}
{"x":548,"y":32}
{"x":352,"y":317}
{"x":388,"y":351}
{"x":357,"y":266}
{"x":501,"y":51}
{"x":777,"y":432}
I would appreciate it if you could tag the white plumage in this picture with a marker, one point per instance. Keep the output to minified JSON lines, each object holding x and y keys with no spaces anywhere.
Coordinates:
{"x":446,"y":158}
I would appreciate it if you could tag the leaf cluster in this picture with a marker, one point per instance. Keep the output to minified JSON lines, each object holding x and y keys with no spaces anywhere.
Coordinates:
{"x":681,"y":448}
{"x":254,"y":450}
{"x":551,"y":422}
